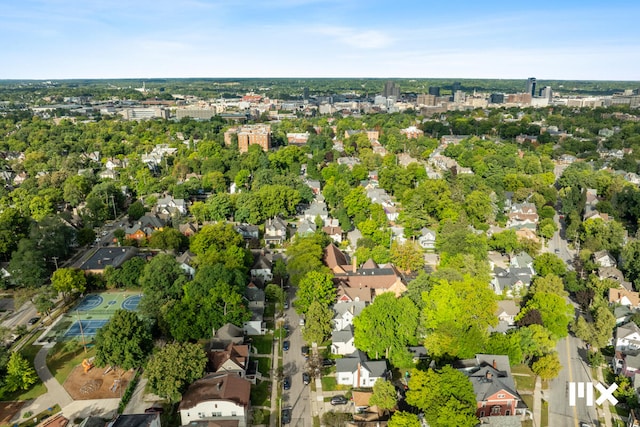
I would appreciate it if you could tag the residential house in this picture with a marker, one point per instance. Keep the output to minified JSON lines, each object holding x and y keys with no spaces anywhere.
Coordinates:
{"x":314,"y":185}
{"x":108,"y":174}
{"x":144,"y":227}
{"x":247,"y":231}
{"x":233,"y":359}
{"x":493,"y":385}
{"x":217,"y":397}
{"x":627,"y":337}
{"x":342,"y":342}
{"x":306,"y":227}
{"x":427,"y":239}
{"x":522,"y":215}
{"x":335,"y":233}
{"x":626,"y":363}
{"x":345,"y":313}
{"x":506,"y":313}
{"x":512,"y":281}
{"x":225,"y":335}
{"x":604,"y":259}
{"x":624,"y":297}
{"x":357,"y":370}
{"x":261,"y":268}
{"x":186,"y":263}
{"x":622,"y":313}
{"x":275,"y":231}
{"x":170,"y":206}
{"x":188,"y":229}
{"x":318,"y":208}
{"x":256,"y":299}
{"x":105,"y":256}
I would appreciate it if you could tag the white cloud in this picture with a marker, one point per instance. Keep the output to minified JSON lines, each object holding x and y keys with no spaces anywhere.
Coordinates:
{"x":361,"y":39}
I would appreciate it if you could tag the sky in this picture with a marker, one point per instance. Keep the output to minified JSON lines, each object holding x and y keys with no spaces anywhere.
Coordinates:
{"x":561,"y":39}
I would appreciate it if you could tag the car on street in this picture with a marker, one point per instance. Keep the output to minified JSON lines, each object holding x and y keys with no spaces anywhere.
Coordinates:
{"x":327,"y":363}
{"x":286,"y":305}
{"x":154,"y":410}
{"x":306,"y":379}
{"x":286,"y":383}
{"x":305,"y":351}
{"x":557,"y":250}
{"x":33,"y":321}
{"x":286,"y":416}
{"x":339,"y":400}
{"x":301,"y":322}
{"x":285,"y":346}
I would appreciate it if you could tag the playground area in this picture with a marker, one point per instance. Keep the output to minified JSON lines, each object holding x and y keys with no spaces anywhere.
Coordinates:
{"x":85,"y":319}
{"x":89,"y":382}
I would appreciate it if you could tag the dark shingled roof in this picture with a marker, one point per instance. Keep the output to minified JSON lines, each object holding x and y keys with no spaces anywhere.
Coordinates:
{"x":135,"y":420}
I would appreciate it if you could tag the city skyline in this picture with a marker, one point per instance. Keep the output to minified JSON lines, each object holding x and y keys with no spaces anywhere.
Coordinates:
{"x":318,"y":38}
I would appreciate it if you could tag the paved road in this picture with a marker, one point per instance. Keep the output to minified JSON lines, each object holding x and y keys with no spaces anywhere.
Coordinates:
{"x":21,"y":316}
{"x":575,"y":369}
{"x":294,"y":364}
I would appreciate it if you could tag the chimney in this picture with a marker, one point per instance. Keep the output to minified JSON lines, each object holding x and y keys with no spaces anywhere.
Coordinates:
{"x":495,"y":364}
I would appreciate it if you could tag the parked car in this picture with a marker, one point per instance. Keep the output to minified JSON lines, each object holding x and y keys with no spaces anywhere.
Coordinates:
{"x":339,"y":400}
{"x":328,"y":362}
{"x":286,"y":383}
{"x":305,"y":351}
{"x":154,"y":410}
{"x":33,"y":321}
{"x":301,"y":322}
{"x":286,"y":416}
{"x":306,"y":379}
{"x":285,"y":346}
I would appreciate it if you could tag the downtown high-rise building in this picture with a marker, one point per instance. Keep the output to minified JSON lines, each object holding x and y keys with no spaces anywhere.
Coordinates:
{"x":531,"y":86}
{"x":391,"y":89}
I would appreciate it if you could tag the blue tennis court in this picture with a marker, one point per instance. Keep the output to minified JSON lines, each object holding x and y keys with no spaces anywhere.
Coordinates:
{"x":89,"y":303}
{"x":132,"y":303}
{"x":89,"y":328}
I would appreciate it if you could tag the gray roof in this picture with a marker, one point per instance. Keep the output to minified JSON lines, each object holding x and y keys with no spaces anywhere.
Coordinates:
{"x":626,"y":330}
{"x":261,"y":262}
{"x":376,"y":368}
{"x":114,"y":256}
{"x":343,"y":336}
{"x":522,"y":260}
{"x":355,"y":307}
{"x":508,"y":306}
{"x":254,"y":293}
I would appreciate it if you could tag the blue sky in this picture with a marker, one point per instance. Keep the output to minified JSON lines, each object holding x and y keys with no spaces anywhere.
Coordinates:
{"x":566,"y":39}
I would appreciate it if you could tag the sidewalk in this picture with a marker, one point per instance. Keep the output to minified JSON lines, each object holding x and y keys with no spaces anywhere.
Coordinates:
{"x":605,"y":407}
{"x":537,"y":402}
{"x":275,"y":411}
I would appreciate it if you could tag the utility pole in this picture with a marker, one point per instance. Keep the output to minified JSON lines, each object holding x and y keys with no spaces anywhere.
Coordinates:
{"x":55,"y":260}
{"x":114,"y":208}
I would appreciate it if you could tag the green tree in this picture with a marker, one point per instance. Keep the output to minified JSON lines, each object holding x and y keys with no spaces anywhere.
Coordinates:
{"x":275,"y":293}
{"x":317,"y":326}
{"x":478,"y":207}
{"x":386,"y":327}
{"x":446,"y":397}
{"x":548,"y":366}
{"x":407,"y":256}
{"x":68,"y":281}
{"x":556,"y":313}
{"x":505,"y":241}
{"x":548,"y":263}
{"x":631,"y":261}
{"x":174,"y":367}
{"x":404,"y":419}
{"x":315,"y":286}
{"x":20,"y":374}
{"x":124,"y":341}
{"x":168,"y":239}
{"x":304,"y":255}
{"x":457,"y":315}
{"x":534,"y":341}
{"x":136,"y":210}
{"x":161,"y":281}
{"x":384,"y":395}
{"x":27,"y":266}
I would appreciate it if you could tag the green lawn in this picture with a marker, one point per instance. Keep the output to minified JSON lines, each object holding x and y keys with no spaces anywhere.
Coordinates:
{"x":525,"y":378}
{"x":262,"y":343}
{"x":622,"y":412}
{"x":29,"y":351}
{"x":330,"y":384}
{"x":260,"y":394}
{"x":264,"y":365}
{"x":65,"y":356}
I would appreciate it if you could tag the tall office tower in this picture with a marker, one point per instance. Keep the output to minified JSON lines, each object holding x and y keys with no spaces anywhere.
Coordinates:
{"x":496,"y":98}
{"x":531,"y":86}
{"x":305,"y":93}
{"x":546,"y":92}
{"x":434,"y":90}
{"x":391,"y":89}
{"x":456,"y":86}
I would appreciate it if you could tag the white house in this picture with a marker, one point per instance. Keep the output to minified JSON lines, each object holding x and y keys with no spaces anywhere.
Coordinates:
{"x":427,"y":239}
{"x":604,"y":259}
{"x":345,"y":312}
{"x":628,"y":337}
{"x":261,"y":268}
{"x":342,"y":342}
{"x":217,"y":397}
{"x":358,"y":371}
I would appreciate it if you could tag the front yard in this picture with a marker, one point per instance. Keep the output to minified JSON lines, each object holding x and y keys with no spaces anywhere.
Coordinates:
{"x":262,"y":343}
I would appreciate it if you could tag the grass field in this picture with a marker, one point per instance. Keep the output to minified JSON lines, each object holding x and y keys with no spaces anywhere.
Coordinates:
{"x":260,"y":394}
{"x":65,"y":356}
{"x":262,"y":343}
{"x":524,"y":377}
{"x":29,"y":351}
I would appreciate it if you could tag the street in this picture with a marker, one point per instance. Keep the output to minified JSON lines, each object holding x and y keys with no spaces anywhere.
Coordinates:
{"x":293,"y":365}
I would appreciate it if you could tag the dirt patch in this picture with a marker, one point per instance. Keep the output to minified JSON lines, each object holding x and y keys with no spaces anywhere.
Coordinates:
{"x":8,"y":410}
{"x":96,"y":384}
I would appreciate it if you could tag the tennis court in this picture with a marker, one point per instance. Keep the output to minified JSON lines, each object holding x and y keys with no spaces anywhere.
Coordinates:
{"x":88,"y":328}
{"x":93,"y":312}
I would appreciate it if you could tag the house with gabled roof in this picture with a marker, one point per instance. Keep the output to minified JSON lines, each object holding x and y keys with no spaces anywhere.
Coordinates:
{"x":627,"y":337}
{"x":506,"y":313}
{"x":343,"y":342}
{"x":233,"y":359}
{"x":261,"y":268}
{"x":523,"y":215}
{"x":217,"y":397}
{"x":356,"y":370}
{"x":275,"y":231}
{"x":624,"y":297}
{"x":225,"y":335}
{"x":493,"y":385}
{"x":427,"y":239}
{"x":186,"y":263}
{"x":346,"y":311}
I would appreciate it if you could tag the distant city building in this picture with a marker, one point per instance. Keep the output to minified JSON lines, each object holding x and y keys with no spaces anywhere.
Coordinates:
{"x":546,"y":93}
{"x":434,"y":90}
{"x":425,"y":99}
{"x":496,"y":98}
{"x":459,"y":96}
{"x":305,"y":93}
{"x":250,"y":135}
{"x":531,"y":86}
{"x":456,"y":86}
{"x":391,"y":89}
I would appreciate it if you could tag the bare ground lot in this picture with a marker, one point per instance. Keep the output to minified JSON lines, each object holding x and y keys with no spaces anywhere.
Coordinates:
{"x":95,"y":384}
